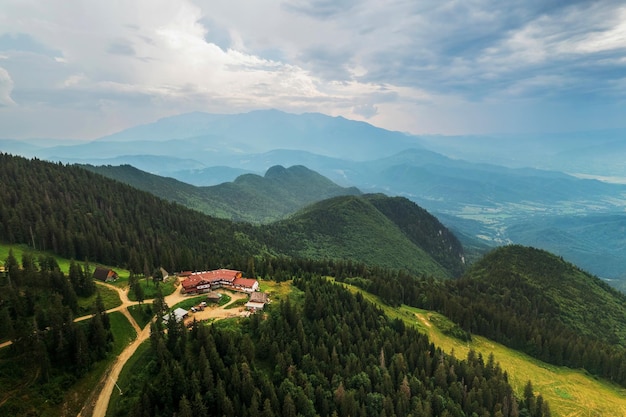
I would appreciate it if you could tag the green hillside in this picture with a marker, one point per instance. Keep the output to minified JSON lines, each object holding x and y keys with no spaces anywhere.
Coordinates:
{"x":556,"y":289}
{"x":533,"y":301}
{"x":423,"y":229}
{"x":251,"y":198}
{"x":354,"y":228}
{"x":81,"y":215}
{"x":324,"y":352}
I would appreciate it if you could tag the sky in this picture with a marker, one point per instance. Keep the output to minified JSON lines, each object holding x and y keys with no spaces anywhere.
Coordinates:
{"x":81,"y":69}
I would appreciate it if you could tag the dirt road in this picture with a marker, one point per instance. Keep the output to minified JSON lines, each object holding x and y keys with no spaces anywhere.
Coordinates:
{"x":99,"y":409}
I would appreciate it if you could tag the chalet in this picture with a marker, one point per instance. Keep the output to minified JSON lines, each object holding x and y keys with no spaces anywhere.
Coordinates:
{"x":257,"y":301}
{"x":246,"y":284}
{"x":201,"y":282}
{"x":105,"y":274}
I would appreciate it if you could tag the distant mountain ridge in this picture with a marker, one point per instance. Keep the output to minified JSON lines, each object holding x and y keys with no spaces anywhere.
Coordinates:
{"x":264,"y":130}
{"x":250,"y":197}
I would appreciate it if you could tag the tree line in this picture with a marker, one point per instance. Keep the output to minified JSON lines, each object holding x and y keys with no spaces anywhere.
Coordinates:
{"x":496,"y":300}
{"x":38,"y":304}
{"x":333,"y":354}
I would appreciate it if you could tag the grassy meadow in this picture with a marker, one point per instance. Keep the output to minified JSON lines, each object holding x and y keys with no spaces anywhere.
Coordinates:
{"x":569,"y":392}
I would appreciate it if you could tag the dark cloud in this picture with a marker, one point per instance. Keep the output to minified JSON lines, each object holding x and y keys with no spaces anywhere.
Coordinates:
{"x":327,"y":62}
{"x":461,"y":49}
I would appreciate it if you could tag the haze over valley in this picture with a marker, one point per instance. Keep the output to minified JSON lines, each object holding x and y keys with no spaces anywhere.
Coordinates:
{"x":312,"y":208}
{"x":533,"y":201}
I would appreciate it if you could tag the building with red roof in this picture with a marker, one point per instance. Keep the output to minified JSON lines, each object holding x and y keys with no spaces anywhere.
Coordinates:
{"x":205,"y":281}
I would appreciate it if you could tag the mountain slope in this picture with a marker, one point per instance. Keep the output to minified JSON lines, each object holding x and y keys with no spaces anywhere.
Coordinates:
{"x":595,"y":241}
{"x":250,"y":197}
{"x":533,"y":301}
{"x":423,"y":229}
{"x":81,"y":215}
{"x":228,"y":135}
{"x":578,"y":300}
{"x":354,"y":228}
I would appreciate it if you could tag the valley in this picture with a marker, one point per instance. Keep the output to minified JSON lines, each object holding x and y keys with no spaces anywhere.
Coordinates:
{"x":454,"y":177}
{"x":298,"y":229}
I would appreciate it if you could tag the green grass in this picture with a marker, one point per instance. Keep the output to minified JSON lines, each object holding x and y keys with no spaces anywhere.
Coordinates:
{"x":123,"y":332}
{"x":139,"y":313}
{"x":110,"y":298}
{"x":64,"y":263}
{"x":569,"y":392}
{"x":224,"y":299}
{"x":149,"y":288}
{"x":130,"y":379}
{"x":190,"y":302}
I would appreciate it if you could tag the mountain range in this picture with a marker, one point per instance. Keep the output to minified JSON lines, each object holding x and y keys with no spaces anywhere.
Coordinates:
{"x":253,"y":198}
{"x":83,"y":215}
{"x":486,"y":189}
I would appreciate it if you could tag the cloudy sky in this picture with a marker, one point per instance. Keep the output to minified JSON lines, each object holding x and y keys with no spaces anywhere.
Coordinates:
{"x":86,"y":68}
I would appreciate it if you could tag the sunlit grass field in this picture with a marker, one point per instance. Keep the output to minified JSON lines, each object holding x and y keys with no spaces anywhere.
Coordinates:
{"x":569,"y":392}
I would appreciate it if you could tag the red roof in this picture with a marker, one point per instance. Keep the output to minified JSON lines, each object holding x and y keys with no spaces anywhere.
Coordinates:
{"x":198,"y":278}
{"x":244,"y":282}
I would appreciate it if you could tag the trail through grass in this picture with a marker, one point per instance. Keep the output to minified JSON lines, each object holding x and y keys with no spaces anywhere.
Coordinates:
{"x":569,"y":392}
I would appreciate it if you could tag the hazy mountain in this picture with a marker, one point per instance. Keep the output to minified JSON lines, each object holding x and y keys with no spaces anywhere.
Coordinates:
{"x":595,"y":241}
{"x":592,"y":152}
{"x":252,"y":198}
{"x":264,"y":130}
{"x":18,"y":147}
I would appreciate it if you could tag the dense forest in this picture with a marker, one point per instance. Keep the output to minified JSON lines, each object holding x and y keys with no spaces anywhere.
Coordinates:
{"x":369,"y":230}
{"x":526,"y":299}
{"x":334,"y":354}
{"x":81,"y":215}
{"x":38,"y":304}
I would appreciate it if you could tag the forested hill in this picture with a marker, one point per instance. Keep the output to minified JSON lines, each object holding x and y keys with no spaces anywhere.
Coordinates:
{"x":334,"y":354}
{"x":423,"y":229}
{"x":81,"y":215}
{"x":555,"y":288}
{"x":252,"y":198}
{"x":536,"y":302}
{"x":397,"y":235}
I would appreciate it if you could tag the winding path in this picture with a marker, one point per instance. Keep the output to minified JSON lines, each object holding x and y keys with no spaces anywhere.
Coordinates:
{"x":97,"y":407}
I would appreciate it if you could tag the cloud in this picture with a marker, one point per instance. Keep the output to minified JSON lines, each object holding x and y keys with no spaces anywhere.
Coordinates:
{"x":320,"y":9}
{"x":366,"y":110}
{"x":25,"y":43}
{"x":6,"y":86}
{"x":402,"y":64}
{"x":121,"y":48}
